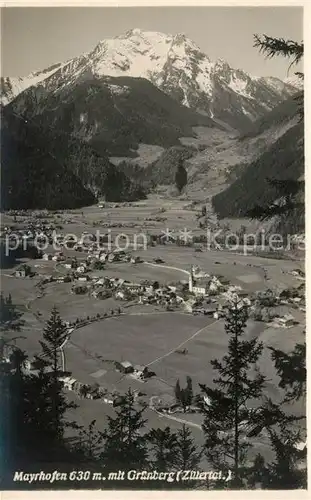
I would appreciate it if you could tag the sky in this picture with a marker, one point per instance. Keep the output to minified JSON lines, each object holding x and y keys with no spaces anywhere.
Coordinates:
{"x":33,"y":38}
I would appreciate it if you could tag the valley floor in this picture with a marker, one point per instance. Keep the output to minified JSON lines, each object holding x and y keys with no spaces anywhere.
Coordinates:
{"x":148,"y":335}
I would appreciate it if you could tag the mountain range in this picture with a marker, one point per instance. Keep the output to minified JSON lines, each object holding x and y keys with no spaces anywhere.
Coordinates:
{"x":175,"y":65}
{"x":137,"y":89}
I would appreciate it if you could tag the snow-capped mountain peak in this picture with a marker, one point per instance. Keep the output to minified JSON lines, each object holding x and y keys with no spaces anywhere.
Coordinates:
{"x":172,"y":62}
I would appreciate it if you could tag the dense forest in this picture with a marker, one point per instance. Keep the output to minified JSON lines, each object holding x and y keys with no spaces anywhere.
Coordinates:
{"x":52,"y":170}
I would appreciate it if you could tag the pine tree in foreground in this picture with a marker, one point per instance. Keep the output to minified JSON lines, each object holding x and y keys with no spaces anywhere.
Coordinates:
{"x":288,"y":468}
{"x":54,"y":336}
{"x":89,"y":442}
{"x":188,"y":457}
{"x":291,"y":368}
{"x":125,"y":446}
{"x":286,"y":432}
{"x":227,"y":409}
{"x":163,"y":449}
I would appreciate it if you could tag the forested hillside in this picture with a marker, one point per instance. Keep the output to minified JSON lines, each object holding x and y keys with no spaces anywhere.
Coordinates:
{"x":53,"y":170}
{"x":283,"y":160}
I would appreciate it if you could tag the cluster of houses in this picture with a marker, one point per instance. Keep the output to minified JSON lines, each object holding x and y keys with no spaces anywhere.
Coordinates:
{"x":144,"y":292}
{"x":95,"y":391}
{"x":139,"y":372}
{"x":95,"y":255}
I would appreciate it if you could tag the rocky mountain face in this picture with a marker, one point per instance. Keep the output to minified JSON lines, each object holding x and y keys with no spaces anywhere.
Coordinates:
{"x":175,"y":65}
{"x":111,"y":114}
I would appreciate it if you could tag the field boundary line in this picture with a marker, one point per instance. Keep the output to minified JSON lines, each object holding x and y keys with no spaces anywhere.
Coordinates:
{"x":182,"y":343}
{"x":167,"y":267}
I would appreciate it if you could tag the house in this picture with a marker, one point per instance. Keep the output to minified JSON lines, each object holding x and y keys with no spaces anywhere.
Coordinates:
{"x":47,"y":256}
{"x":210,"y":310}
{"x":81,"y":269}
{"x":30,"y":364}
{"x":112,"y":257}
{"x":68,"y":382}
{"x":126,"y":367}
{"x":108,"y":400}
{"x":140,"y":371}
{"x":20,"y":273}
{"x":79,"y":290}
{"x":200,"y":289}
{"x":83,"y":278}
{"x":136,"y":260}
{"x":287,"y":321}
{"x":68,"y":266}
{"x":298,"y":272}
{"x":133,"y":287}
{"x":76,"y":386}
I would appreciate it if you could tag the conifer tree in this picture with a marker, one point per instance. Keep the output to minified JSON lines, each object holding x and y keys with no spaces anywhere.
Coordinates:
{"x":239,"y":381}
{"x":163,"y":448}
{"x":54,"y":335}
{"x":90,"y":442}
{"x":189,"y":390}
{"x":184,"y":396}
{"x":287,"y":469}
{"x":188,"y":457}
{"x":177,"y":391}
{"x":292,"y":371}
{"x":181,"y":177}
{"x":124,"y":445}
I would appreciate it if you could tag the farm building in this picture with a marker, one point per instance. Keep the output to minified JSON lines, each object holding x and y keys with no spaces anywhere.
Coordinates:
{"x":140,"y":371}
{"x":23,"y":271}
{"x":286,"y":321}
{"x":20,"y":273}
{"x":69,"y":383}
{"x":126,"y":367}
{"x":47,"y":256}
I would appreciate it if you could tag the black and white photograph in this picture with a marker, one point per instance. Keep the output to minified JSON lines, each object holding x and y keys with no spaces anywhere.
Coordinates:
{"x":153,"y":305}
